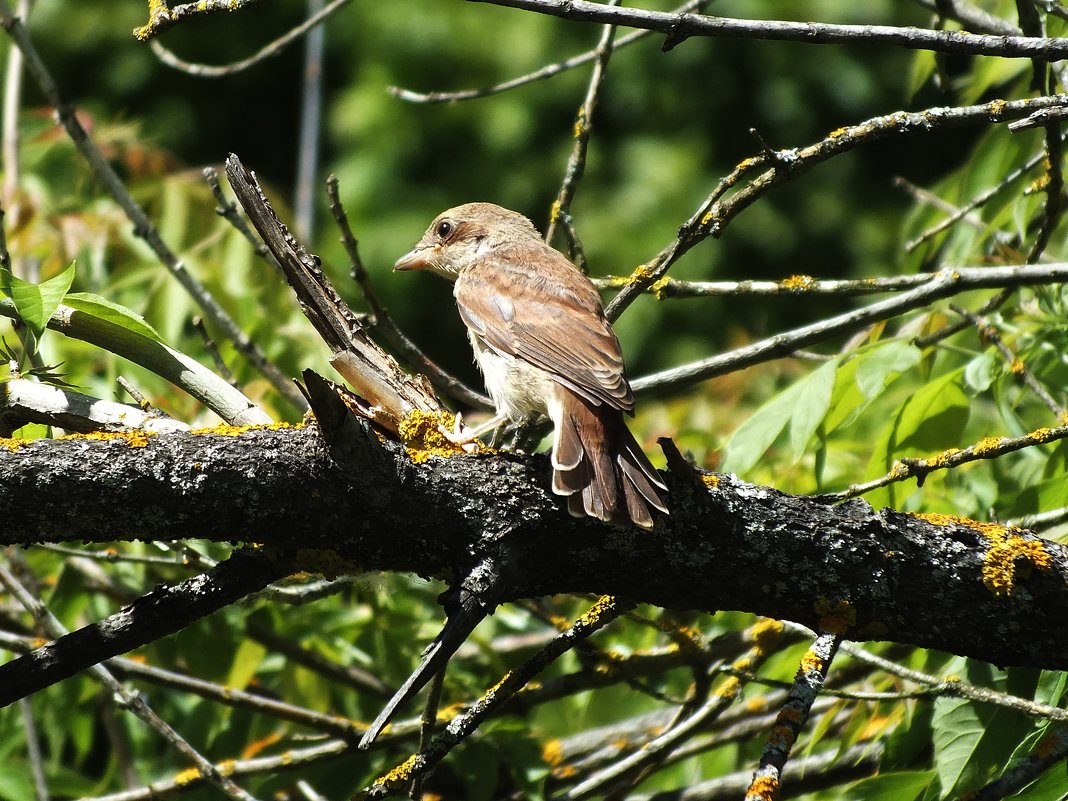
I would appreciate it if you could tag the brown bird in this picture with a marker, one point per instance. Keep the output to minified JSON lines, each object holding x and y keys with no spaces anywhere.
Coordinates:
{"x":544,"y":346}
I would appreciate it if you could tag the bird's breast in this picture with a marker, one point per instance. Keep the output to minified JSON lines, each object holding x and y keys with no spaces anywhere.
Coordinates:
{"x":518,"y":389}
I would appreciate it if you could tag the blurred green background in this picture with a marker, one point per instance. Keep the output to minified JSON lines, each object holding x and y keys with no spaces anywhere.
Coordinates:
{"x":667,"y":127}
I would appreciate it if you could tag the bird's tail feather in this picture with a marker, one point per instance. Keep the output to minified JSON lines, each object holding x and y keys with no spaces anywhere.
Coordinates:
{"x":598,"y":465}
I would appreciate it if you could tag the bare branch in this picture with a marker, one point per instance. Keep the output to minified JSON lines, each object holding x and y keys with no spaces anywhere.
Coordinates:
{"x":681,"y":26}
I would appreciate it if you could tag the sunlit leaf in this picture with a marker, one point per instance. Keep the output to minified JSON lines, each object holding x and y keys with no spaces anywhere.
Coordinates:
{"x":36,"y":303}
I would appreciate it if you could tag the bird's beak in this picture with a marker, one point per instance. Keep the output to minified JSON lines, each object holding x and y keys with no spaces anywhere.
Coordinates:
{"x":414,"y":259}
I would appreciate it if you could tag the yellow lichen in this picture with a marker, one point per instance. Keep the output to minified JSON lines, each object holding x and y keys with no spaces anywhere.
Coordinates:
{"x":729,"y":689}
{"x":837,"y":133}
{"x":707,"y":219}
{"x":762,"y":787}
{"x":12,"y":444}
{"x":227,"y":430}
{"x":422,"y":435}
{"x":187,"y":776}
{"x":552,"y":753}
{"x":986,"y":445}
{"x":898,"y":471}
{"x":764,"y":633}
{"x":943,"y":459}
{"x":658,"y":287}
{"x":710,"y":480}
{"x":606,"y":603}
{"x":227,"y":766}
{"x":1007,"y":547}
{"x":837,"y":617}
{"x":580,"y":123}
{"x":1017,"y":367}
{"x":811,"y":663}
{"x":640,"y":275}
{"x":399,"y":774}
{"x":500,"y":683}
{"x":157,"y":10}
{"x":135,"y":439}
{"x":554,"y":212}
{"x":1042,"y":435}
{"x":798,"y":283}
{"x":996,"y":108}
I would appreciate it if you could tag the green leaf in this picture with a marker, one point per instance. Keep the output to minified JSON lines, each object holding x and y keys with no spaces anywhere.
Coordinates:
{"x":934,"y":417}
{"x":246,"y":663}
{"x":15,"y":783}
{"x":1050,"y":786}
{"x":974,"y":743}
{"x":103,"y":309}
{"x":863,"y":378}
{"x":981,"y":371}
{"x":879,"y":366}
{"x":753,"y":437}
{"x":902,"y":786}
{"x":36,"y":303}
{"x":813,"y":400}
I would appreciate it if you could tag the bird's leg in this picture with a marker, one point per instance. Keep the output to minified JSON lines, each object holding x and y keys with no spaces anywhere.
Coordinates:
{"x":467,"y":438}
{"x":529,"y":433}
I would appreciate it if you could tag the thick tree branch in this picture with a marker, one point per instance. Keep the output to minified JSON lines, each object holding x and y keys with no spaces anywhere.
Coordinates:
{"x":974,"y":589}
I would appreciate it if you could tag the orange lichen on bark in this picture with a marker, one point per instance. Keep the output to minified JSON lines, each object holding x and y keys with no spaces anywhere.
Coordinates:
{"x":13,"y":445}
{"x":135,"y":439}
{"x":423,"y":438}
{"x":763,"y":787}
{"x":1007,"y":554}
{"x":227,"y":430}
{"x":837,"y":617}
{"x":798,"y":283}
{"x":606,"y":603}
{"x":641,"y":275}
{"x":765,"y":633}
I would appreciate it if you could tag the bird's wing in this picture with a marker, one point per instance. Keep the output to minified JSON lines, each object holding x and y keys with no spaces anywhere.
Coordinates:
{"x":529,"y":302}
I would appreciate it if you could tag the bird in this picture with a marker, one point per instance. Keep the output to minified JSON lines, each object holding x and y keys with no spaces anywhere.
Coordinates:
{"x":545,"y":347}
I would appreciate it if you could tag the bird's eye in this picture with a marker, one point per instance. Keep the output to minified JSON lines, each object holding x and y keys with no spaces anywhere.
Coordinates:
{"x":444,"y":228}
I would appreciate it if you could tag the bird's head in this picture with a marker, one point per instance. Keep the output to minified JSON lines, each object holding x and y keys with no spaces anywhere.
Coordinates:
{"x":460,"y":235}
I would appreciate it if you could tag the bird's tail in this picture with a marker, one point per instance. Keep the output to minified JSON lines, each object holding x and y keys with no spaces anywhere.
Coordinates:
{"x":598,"y":465}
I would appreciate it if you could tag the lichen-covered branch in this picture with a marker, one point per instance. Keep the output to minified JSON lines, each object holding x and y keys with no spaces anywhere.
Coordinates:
{"x":361,"y":504}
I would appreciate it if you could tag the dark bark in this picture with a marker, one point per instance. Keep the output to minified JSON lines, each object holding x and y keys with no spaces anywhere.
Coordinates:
{"x":728,"y":546}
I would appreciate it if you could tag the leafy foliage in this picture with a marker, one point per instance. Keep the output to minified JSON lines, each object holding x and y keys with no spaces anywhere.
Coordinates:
{"x":667,"y":128}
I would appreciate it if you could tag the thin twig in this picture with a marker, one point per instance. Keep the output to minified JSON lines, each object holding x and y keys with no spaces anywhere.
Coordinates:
{"x":311,"y":103}
{"x":576,"y":162}
{"x":131,"y":701}
{"x":988,"y":448}
{"x":988,"y":332}
{"x":945,"y":284}
{"x":33,"y":751}
{"x":213,"y":350}
{"x":966,"y":211}
{"x":547,"y":71}
{"x":143,"y":226}
{"x":459,"y":728}
{"x":792,"y":717}
{"x":383,"y":322}
{"x":718,"y":209}
{"x":680,"y":26}
{"x":227,"y":209}
{"x":169,"y":58}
